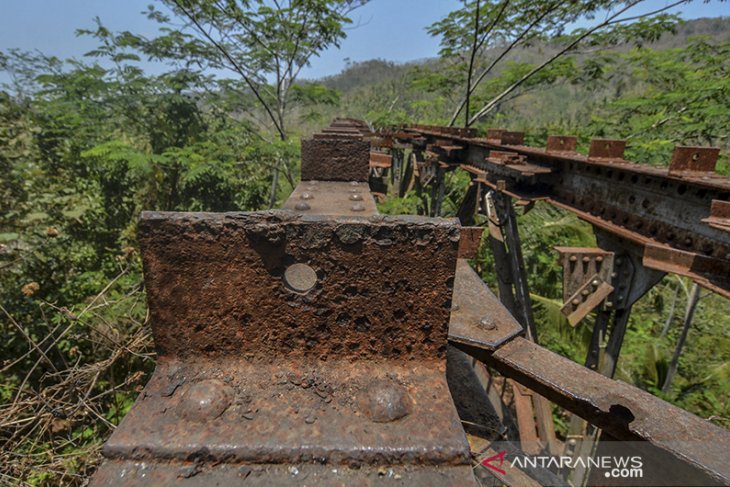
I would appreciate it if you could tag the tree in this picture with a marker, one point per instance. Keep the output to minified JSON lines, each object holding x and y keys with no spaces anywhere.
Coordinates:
{"x":264,"y":43}
{"x":480,"y":37}
{"x":673,"y":97}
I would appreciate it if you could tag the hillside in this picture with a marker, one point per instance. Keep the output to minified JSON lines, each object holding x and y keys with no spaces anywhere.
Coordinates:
{"x":378,"y":89}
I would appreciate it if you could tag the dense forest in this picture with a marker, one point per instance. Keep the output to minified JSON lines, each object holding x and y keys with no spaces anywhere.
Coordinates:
{"x":86,"y":144}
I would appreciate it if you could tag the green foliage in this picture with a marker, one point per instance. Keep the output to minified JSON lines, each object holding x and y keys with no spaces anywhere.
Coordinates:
{"x":477,"y":38}
{"x":82,"y":154}
{"x":678,"y":97}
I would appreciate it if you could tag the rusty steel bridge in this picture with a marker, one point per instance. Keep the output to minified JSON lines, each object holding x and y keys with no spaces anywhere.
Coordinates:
{"x":326,"y":344}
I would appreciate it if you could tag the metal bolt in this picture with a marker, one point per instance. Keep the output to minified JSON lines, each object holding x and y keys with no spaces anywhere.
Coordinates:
{"x":586,"y":259}
{"x":595,"y":283}
{"x":205,"y":400}
{"x":573,"y":258}
{"x":385,"y":401}
{"x":306,"y":196}
{"x":300,"y":277}
{"x":356,"y":197}
{"x":576,"y":302}
{"x":358,"y":207}
{"x":301,"y":206}
{"x":585,"y":292}
{"x":487,"y":322}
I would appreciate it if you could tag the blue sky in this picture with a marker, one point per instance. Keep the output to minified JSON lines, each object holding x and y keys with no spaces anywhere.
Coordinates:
{"x":386,"y":29}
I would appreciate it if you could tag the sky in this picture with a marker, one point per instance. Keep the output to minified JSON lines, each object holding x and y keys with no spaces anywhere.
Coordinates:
{"x":393,"y":30}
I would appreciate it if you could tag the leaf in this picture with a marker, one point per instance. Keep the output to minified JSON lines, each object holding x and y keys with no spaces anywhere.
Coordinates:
{"x":35,"y":217}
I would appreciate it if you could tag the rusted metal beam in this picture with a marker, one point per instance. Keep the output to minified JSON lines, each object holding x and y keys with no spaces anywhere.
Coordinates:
{"x":643,"y":204}
{"x":477,"y":317}
{"x":624,"y":411}
{"x":273,"y":364}
{"x":333,"y":159}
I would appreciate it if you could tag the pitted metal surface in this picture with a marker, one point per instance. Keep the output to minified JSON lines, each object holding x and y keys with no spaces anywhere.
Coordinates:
{"x":307,"y":346}
{"x":338,"y":412}
{"x":216,"y":285}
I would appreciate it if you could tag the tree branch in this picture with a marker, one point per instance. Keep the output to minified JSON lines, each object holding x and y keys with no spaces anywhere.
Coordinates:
{"x":609,"y":21}
{"x":235,"y":65}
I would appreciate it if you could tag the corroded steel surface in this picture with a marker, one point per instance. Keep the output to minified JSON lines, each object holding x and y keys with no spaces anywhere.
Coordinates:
{"x":469,"y":242}
{"x":719,"y":215}
{"x":642,"y":204}
{"x":336,"y":159}
{"x":338,"y":412}
{"x":307,"y":346}
{"x":271,"y":354}
{"x":215,"y":284}
{"x":142,"y":474}
{"x":622,"y":410}
{"x":477,"y":316}
{"x":332,"y":198}
{"x":693,"y":160}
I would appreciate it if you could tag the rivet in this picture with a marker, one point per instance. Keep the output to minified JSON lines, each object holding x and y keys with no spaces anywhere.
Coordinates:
{"x":301,"y":206}
{"x":595,"y":283}
{"x":300,"y":277}
{"x":358,"y":207}
{"x":487,"y":322}
{"x":384,"y":401}
{"x":204,"y":400}
{"x":306,"y":196}
{"x":356,"y":197}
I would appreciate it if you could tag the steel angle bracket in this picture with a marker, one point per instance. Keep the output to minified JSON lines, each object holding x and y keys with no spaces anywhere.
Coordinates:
{"x":294,"y":347}
{"x":587,"y":298}
{"x":478,"y":319}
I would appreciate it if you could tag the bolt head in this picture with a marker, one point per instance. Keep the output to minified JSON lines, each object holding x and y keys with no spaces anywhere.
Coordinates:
{"x":205,"y":400}
{"x":301,"y":206}
{"x":487,"y":322}
{"x":300,"y":277}
{"x":384,"y":401}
